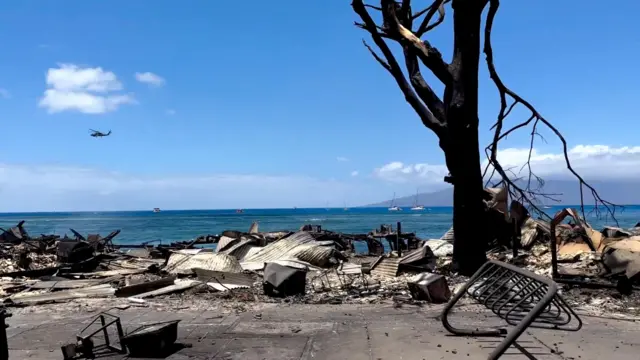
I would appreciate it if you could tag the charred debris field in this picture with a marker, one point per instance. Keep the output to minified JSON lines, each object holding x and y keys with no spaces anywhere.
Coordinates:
{"x":596,"y":268}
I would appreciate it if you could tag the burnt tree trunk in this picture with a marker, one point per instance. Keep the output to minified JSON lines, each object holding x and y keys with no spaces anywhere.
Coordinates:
{"x":454,"y":119}
{"x":463,"y":150}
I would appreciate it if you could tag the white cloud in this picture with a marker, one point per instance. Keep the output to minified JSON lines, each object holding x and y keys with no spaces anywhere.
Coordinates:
{"x":342,"y":159}
{"x":150,"y":78}
{"x":4,"y":93}
{"x":170,"y":112}
{"x":59,"y":188}
{"x":87,"y":90}
{"x":591,"y":161}
{"x":355,"y":173}
{"x":401,"y":173}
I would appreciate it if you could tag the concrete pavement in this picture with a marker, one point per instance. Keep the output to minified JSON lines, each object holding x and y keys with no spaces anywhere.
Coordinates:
{"x":323,"y":332}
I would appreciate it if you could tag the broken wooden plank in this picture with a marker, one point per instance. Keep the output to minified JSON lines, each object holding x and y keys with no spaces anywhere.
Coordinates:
{"x":178,"y":285}
{"x":109,"y":273}
{"x":72,"y":284}
{"x":145,"y":287}
{"x":103,"y":290}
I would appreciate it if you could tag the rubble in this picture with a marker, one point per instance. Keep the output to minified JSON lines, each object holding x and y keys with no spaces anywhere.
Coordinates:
{"x":314,"y":265}
{"x":430,"y":287}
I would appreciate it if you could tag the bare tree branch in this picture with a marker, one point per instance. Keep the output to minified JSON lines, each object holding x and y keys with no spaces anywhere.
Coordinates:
{"x":425,"y":27}
{"x":424,"y":91}
{"x":428,"y":119}
{"x":378,"y":59}
{"x":429,"y":55}
{"x":504,"y":91}
{"x":382,"y":33}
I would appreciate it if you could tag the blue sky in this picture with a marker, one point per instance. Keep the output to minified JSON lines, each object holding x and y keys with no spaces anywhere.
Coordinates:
{"x":249,"y":104}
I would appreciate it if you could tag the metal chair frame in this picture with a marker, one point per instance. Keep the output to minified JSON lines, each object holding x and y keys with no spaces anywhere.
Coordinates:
{"x":518,"y":296}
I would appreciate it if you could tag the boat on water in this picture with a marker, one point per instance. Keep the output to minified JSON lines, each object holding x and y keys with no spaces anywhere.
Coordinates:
{"x":156,"y":210}
{"x":417,"y":207}
{"x":345,"y":206}
{"x":239,"y":211}
{"x":394,"y":207}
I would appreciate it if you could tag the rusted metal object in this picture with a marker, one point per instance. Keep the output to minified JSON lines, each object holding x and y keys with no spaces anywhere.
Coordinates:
{"x":152,"y":339}
{"x":518,"y":296}
{"x":84,"y":340}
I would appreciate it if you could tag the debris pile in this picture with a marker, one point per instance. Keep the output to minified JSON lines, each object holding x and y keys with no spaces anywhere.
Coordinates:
{"x":313,"y":265}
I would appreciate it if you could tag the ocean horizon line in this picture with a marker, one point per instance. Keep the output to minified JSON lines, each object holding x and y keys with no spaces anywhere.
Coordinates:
{"x":259,"y":209}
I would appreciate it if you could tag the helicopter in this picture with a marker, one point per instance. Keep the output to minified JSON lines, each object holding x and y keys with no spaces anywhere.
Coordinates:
{"x":97,"y":134}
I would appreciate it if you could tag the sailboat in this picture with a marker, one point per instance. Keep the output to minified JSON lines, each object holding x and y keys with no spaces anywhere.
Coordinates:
{"x":417,"y":207}
{"x":394,"y":207}
{"x":345,"y":206}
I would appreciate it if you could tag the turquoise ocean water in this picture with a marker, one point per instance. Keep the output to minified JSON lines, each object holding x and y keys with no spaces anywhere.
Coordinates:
{"x":139,"y":226}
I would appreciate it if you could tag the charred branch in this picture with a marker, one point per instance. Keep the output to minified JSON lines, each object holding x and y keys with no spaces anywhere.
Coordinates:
{"x":426,"y":26}
{"x":527,"y":194}
{"x":427,"y":117}
{"x":429,"y":55}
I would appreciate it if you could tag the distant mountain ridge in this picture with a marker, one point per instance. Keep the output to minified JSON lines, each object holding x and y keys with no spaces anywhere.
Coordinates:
{"x":617,"y":192}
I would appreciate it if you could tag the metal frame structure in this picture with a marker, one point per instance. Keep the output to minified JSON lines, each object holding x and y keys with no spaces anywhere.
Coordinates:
{"x":84,"y":344}
{"x":519,"y":297}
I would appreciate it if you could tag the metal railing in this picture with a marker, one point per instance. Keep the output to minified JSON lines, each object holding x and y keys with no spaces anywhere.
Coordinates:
{"x":519,"y":297}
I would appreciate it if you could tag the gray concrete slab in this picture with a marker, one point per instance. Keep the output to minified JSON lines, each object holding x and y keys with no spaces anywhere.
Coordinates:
{"x":282,"y":348}
{"x":349,"y":340}
{"x":332,"y":332}
{"x":44,"y":337}
{"x":613,"y":339}
{"x":280,"y":328}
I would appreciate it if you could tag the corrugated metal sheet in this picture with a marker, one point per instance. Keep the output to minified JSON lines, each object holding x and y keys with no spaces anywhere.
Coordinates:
{"x":448,"y":236}
{"x":184,"y":264}
{"x":300,"y":246}
{"x":225,"y":242}
{"x":193,"y":251}
{"x":313,"y":254}
{"x":350,"y":269}
{"x":241,"y":249}
{"x":223,"y":281}
{"x":296,"y":264}
{"x":388,"y":266}
{"x":417,"y":255}
{"x":251,"y":251}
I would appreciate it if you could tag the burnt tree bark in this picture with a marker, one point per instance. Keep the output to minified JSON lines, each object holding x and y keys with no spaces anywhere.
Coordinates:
{"x":454,"y":117}
{"x":469,"y":215}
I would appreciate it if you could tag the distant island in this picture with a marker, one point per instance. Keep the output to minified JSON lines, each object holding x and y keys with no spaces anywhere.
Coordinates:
{"x":619,"y":192}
